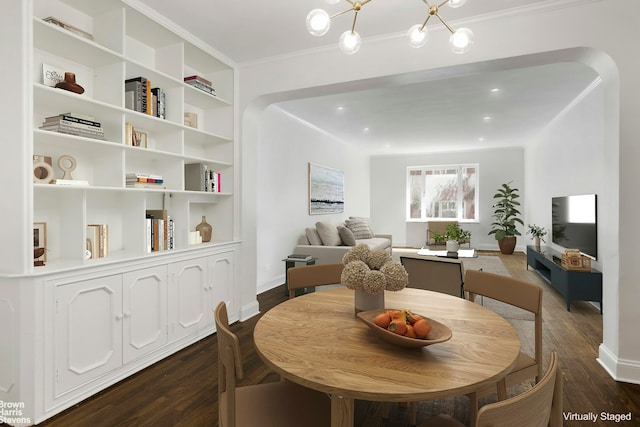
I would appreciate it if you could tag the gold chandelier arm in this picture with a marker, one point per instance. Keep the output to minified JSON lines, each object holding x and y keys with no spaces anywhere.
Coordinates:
{"x":340,"y":13}
{"x":353,"y":27}
{"x":443,"y":3}
{"x":425,"y":22}
{"x":444,"y":23}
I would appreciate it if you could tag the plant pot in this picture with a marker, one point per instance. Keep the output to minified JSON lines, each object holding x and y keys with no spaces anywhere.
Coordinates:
{"x":507,"y":245}
{"x":453,"y":246}
{"x":364,"y":301}
{"x":536,"y":243}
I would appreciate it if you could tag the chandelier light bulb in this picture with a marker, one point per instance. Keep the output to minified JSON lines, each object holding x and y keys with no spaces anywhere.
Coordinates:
{"x":318,"y":22}
{"x":332,"y":1}
{"x":417,"y":36}
{"x":455,"y":3}
{"x":350,"y":42}
{"x":461,"y":40}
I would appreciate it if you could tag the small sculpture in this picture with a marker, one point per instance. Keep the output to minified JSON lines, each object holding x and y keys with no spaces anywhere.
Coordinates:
{"x":70,"y":84}
{"x":37,"y":253}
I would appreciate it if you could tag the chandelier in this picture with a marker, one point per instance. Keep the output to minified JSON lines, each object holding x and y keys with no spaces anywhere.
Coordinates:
{"x":319,"y":21}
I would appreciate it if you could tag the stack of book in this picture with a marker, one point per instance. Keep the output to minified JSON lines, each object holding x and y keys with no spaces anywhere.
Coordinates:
{"x":141,"y":97}
{"x":144,"y":180}
{"x":160,"y":231}
{"x":98,"y":240}
{"x":201,"y":83}
{"x":200,"y":177}
{"x":74,"y":124}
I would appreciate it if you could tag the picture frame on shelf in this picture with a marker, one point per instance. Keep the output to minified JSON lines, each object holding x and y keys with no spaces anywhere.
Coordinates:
{"x":39,"y":243}
{"x":51,"y":75}
{"x":326,"y":190}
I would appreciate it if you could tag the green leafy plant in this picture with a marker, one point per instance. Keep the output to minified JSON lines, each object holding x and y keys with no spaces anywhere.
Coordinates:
{"x":506,"y":214}
{"x":453,"y":232}
{"x":537,"y":231}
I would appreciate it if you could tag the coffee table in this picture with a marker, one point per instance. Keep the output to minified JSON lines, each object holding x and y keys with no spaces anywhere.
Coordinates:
{"x":461,"y":253}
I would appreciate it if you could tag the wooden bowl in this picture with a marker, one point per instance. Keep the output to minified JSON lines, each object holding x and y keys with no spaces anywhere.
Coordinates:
{"x":439,"y":332}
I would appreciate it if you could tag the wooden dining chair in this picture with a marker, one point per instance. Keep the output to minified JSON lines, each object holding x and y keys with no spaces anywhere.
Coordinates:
{"x":518,"y":293}
{"x":540,"y":406}
{"x":444,"y":275}
{"x":307,"y":276}
{"x":276,"y":404}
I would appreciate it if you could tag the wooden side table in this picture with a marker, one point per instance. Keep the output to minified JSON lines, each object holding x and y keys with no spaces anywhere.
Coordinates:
{"x":290,"y":262}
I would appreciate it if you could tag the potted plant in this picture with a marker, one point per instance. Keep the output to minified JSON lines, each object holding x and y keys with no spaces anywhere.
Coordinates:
{"x":538,"y":234}
{"x":506,"y":217}
{"x":453,"y":236}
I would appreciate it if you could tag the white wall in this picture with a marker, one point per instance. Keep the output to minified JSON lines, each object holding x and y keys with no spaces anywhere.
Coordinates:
{"x":389,"y":178}
{"x":575,"y":137}
{"x":285,"y":147}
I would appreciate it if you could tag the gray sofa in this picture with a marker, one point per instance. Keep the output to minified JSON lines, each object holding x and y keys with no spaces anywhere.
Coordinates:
{"x":313,"y":242}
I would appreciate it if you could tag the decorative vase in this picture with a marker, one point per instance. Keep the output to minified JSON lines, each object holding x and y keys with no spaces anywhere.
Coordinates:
{"x":364,"y":301}
{"x":205,"y":229}
{"x":70,"y":84}
{"x":453,"y":246}
{"x":536,"y":242}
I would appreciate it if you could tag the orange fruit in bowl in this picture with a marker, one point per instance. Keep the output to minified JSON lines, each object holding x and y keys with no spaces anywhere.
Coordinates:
{"x":383,"y":319}
{"x":398,"y":326}
{"x":422,"y":328}
{"x":411,"y":333}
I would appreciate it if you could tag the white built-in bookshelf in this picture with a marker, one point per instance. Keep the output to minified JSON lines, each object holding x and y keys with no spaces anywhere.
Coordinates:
{"x":127,"y":44}
{"x":78,"y":325}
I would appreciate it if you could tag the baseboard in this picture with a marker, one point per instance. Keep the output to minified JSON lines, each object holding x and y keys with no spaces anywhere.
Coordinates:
{"x":247,"y":311}
{"x":627,"y":371}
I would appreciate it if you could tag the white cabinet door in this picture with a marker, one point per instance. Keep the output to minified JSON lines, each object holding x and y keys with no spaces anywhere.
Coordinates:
{"x":145,"y":311}
{"x":187,"y":297}
{"x":222,"y":282}
{"x":88,"y":331}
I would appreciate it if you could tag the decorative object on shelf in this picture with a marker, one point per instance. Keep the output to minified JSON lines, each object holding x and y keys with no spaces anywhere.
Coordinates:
{"x":68,"y":27}
{"x":69,"y":83}
{"x":42,"y":169}
{"x":39,"y":243}
{"x":326,"y":190}
{"x":67,"y":164}
{"x":507,"y":216}
{"x":538,"y":234}
{"x":51,"y":75}
{"x":319,"y":22}
{"x":205,"y":229}
{"x":139,"y":138}
{"x":369,"y":273}
{"x":191,"y":120}
{"x":572,"y":259}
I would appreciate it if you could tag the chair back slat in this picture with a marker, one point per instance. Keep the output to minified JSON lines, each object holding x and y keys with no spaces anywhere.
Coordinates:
{"x":435,"y":274}
{"x":306,"y":276}
{"x":519,"y":293}
{"x":229,"y":366}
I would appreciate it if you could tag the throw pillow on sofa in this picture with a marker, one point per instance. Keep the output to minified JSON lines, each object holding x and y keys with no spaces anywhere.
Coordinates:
{"x":348,"y":239}
{"x":360,"y":227}
{"x":328,"y":234}
{"x":312,"y":236}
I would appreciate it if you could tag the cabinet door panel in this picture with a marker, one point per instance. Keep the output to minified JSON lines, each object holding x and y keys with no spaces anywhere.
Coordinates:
{"x":188,"y":298}
{"x":145,"y":311}
{"x":88,"y":331}
{"x":221,"y":281}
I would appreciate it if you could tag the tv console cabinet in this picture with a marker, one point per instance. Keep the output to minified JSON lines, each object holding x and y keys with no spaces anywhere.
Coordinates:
{"x":573,"y":285}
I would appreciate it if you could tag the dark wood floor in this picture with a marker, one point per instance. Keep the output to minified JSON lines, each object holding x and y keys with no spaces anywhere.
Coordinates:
{"x":181,"y":390}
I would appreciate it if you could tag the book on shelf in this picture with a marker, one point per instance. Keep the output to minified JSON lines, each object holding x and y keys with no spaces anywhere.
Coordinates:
{"x":69,"y":182}
{"x":144,"y":177}
{"x":201,"y":86}
{"x":68,"y":27}
{"x":98,"y":240}
{"x":200,"y":177}
{"x":74,"y":124}
{"x":159,"y":98}
{"x":160,"y":230}
{"x":299,"y":257}
{"x":141,"y":97}
{"x":198,"y":78}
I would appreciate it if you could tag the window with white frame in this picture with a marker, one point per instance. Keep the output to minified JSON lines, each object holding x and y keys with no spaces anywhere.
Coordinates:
{"x":442,"y":192}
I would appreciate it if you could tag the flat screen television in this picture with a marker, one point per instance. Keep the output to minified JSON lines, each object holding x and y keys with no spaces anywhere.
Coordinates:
{"x":574,"y":223}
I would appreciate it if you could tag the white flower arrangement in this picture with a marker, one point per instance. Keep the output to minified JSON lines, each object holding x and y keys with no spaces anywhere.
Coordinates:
{"x":372,"y":271}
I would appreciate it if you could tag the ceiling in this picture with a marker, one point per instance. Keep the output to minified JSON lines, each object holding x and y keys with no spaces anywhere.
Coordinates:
{"x":425,"y":115}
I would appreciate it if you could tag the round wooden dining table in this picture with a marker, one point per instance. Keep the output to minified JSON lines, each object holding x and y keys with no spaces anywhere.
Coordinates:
{"x":317,"y":341}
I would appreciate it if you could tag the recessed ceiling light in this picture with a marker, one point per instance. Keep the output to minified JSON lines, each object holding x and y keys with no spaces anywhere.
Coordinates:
{"x":487,"y":118}
{"x":365,"y":130}
{"x":495,"y":90}
{"x":340,"y":108}
{"x":481,"y":139}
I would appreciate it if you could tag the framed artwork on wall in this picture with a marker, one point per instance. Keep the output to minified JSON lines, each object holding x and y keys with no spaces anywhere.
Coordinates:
{"x":39,"y":243}
{"x":326,"y":190}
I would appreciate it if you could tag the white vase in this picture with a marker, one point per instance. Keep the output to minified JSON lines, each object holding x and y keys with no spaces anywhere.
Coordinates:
{"x":453,"y":246}
{"x":364,"y":301}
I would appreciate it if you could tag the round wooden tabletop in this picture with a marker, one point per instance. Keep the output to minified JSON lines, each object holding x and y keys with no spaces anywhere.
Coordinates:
{"x":317,"y":341}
